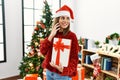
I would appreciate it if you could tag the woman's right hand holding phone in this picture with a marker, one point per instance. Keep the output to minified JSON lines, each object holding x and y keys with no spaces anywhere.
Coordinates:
{"x":55,"y":28}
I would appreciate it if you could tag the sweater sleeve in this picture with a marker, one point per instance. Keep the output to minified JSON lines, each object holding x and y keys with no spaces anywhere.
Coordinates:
{"x":44,"y":46}
{"x":71,"y":70}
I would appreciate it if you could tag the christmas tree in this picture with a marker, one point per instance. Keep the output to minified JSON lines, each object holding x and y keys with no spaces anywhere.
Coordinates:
{"x":31,"y":62}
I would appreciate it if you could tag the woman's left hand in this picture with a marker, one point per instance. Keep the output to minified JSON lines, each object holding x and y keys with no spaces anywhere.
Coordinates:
{"x":59,"y":67}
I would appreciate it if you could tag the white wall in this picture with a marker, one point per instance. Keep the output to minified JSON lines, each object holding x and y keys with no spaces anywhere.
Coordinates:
{"x":95,"y":19}
{"x":13,"y":20}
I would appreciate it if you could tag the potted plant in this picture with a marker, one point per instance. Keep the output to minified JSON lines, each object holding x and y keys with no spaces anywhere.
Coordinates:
{"x":97,"y":44}
{"x":114,"y":38}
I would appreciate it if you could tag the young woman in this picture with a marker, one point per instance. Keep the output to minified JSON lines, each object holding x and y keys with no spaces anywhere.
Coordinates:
{"x":60,"y":29}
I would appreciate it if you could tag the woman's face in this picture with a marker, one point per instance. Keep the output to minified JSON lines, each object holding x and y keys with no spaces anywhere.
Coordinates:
{"x":64,"y":21}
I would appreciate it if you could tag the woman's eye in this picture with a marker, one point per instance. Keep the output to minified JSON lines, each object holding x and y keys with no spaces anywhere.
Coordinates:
{"x":62,"y":18}
{"x":68,"y":18}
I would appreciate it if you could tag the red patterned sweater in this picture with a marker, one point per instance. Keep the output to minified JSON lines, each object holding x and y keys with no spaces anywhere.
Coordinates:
{"x":46,"y":49}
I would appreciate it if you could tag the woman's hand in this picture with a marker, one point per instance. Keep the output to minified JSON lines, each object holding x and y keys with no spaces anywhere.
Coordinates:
{"x":55,"y":28}
{"x":60,"y":67}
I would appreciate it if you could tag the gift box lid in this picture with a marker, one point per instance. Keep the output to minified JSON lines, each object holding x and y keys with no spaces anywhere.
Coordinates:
{"x":31,"y":77}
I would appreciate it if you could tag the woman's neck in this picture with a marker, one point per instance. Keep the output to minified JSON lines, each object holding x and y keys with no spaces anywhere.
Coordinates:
{"x":61,"y":30}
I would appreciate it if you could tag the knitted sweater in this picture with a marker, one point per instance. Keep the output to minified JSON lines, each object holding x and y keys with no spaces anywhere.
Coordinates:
{"x":46,"y":50}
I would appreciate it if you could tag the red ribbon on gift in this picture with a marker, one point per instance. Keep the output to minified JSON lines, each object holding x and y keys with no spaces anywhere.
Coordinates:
{"x":59,"y":46}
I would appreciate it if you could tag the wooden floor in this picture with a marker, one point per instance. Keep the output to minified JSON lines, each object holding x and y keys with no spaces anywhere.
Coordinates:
{"x":12,"y":78}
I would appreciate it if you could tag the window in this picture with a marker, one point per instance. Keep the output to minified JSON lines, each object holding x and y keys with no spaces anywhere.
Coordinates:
{"x":32,"y":12}
{"x":2,"y":33}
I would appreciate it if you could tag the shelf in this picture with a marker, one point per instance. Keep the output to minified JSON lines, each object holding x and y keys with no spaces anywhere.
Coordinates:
{"x":109,"y":54}
{"x":111,"y":73}
{"x":88,"y":65}
{"x":81,"y":47}
{"x":92,"y":51}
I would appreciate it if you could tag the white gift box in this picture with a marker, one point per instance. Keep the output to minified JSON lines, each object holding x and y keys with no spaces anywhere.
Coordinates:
{"x":61,"y":51}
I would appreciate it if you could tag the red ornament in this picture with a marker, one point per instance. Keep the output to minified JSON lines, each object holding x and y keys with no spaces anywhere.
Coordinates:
{"x":32,"y":47}
{"x":41,"y":24}
{"x":36,"y":29}
{"x":37,"y":68}
{"x":26,"y":70}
